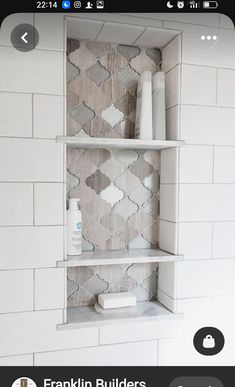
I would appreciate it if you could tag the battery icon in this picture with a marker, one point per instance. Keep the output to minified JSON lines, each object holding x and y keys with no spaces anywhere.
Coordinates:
{"x":210,"y":4}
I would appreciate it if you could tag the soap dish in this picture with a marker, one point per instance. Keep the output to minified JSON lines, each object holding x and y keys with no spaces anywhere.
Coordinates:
{"x":115,"y":311}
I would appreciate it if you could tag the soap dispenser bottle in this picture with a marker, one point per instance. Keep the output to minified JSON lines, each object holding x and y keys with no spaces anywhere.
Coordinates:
{"x":74,"y":228}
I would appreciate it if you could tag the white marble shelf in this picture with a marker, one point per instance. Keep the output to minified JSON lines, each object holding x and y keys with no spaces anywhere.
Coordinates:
{"x":120,"y":143}
{"x":118,"y":257}
{"x":82,"y":317}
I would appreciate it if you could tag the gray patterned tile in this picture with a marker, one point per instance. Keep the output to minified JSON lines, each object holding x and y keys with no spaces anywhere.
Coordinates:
{"x":141,"y":294}
{"x":112,"y":194}
{"x":140,"y":195}
{"x":86,"y":245}
{"x":141,"y":169}
{"x":97,"y":156}
{"x":72,"y":45}
{"x":82,"y":57}
{"x":80,"y":275}
{"x":141,"y":271}
{"x":125,"y":129}
{"x":127,"y":181}
{"x":72,"y":287}
{"x":112,"y":168}
{"x":150,"y":283}
{"x":140,"y":220}
{"x":152,"y":182}
{"x":112,"y":221}
{"x":82,"y":113}
{"x":128,"y":51}
{"x":98,"y":73}
{"x":125,"y":284}
{"x":114,"y":243}
{"x":113,"y":61}
{"x":110,"y":273}
{"x":128,"y":76}
{"x":81,"y":298}
{"x":71,"y":182}
{"x":96,"y":285}
{"x":142,"y":63}
{"x":126,"y":208}
{"x":127,"y":157}
{"x":139,"y":243}
{"x":112,"y":115}
{"x":71,"y":71}
{"x":151,"y":233}
{"x":155,"y":54}
{"x":153,"y":158}
{"x":99,"y":49}
{"x":126,"y":103}
{"x":98,"y":238}
{"x":126,"y":234}
{"x":98,"y":181}
{"x":98,"y":127}
{"x":97,"y":208}
{"x":152,"y":207}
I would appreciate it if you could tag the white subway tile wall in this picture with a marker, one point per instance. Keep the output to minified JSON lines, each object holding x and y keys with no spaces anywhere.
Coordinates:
{"x":33,"y":168}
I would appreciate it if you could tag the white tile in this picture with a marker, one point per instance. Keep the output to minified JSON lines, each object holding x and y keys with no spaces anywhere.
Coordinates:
{"x":16,"y":288}
{"x":120,"y":33}
{"x":195,"y":240}
{"x":169,"y":202}
{"x":198,"y":85}
{"x":207,"y":19}
{"x":16,"y":204}
{"x":31,"y":332}
{"x":152,"y":36}
{"x":38,"y":71}
{"x":83,"y":29}
{"x":33,"y":247}
{"x":169,"y":166}
{"x":51,"y":30}
{"x":226,"y":88}
{"x":196,"y":164}
{"x":203,"y":278}
{"x":209,"y":52}
{"x":173,"y":123}
{"x":223,"y":240}
{"x":49,"y":203}
{"x":172,"y":79}
{"x":139,"y":331}
{"x":206,"y":202}
{"x":168,"y":232}
{"x":224,"y":159}
{"x":167,"y":278}
{"x":49,"y":289}
{"x":48,"y":116}
{"x":226,"y":22}
{"x":133,"y":354}
{"x":171,"y":54}
{"x":202,"y":125}
{"x":167,"y":301}
{"x":31,"y":160}
{"x":15,"y":115}
{"x":10,"y":22}
{"x":17,"y":361}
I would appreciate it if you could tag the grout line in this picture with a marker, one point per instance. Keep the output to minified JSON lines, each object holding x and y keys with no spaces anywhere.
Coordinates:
{"x":34,"y":223}
{"x":209,"y":106}
{"x":141,"y":34}
{"x":101,"y":28}
{"x":212,"y":241}
{"x":28,"y":93}
{"x":34,"y":289}
{"x":31,"y":225}
{"x":32,"y":100}
{"x":213,"y":165}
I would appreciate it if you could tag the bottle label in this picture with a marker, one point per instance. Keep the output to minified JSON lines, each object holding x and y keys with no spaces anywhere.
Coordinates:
{"x":79,"y":225}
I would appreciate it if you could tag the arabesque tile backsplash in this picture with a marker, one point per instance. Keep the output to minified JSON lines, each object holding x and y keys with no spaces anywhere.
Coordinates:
{"x":118,"y":189}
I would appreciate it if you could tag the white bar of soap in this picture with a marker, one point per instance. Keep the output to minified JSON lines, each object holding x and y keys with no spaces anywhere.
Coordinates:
{"x":116,"y":300}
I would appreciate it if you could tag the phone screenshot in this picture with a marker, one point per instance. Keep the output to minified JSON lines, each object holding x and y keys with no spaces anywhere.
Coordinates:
{"x":117,"y":194}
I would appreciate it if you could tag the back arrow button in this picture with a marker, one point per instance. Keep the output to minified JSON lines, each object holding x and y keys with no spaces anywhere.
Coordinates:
{"x":24,"y":36}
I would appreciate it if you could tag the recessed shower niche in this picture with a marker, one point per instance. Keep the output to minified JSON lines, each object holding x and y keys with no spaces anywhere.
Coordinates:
{"x":115,"y":176}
